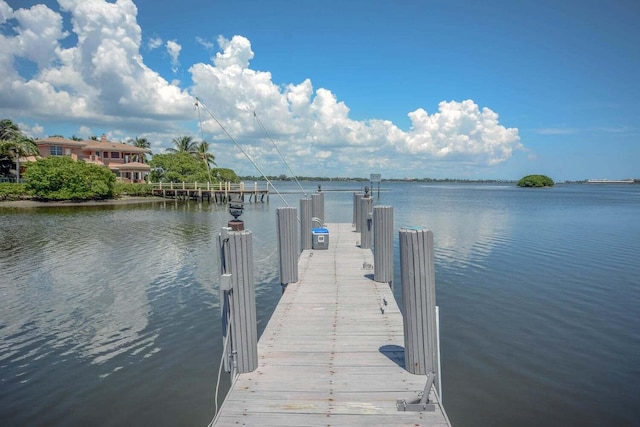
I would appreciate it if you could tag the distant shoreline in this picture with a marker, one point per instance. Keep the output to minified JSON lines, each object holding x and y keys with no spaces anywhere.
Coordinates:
{"x":125,"y":200}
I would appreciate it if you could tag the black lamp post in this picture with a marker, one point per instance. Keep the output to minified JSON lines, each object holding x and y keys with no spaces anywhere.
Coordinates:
{"x":236,"y":207}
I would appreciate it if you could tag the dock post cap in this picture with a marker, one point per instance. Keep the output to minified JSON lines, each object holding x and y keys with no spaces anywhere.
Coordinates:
{"x":413,"y":228}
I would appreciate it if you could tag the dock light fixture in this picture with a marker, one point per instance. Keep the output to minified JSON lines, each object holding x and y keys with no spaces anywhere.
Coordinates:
{"x":236,"y":207}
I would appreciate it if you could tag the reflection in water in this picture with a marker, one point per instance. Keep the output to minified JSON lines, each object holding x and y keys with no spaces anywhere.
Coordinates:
{"x":106,"y":311}
{"x":467,"y":222}
{"x":465,"y":237}
{"x":95,"y":303}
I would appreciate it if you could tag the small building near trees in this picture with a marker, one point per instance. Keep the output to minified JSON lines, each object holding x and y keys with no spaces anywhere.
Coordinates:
{"x":126,"y":161}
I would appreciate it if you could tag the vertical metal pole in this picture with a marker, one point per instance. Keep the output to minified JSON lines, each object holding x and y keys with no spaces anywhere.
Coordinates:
{"x":418,"y":297}
{"x":288,"y":244}
{"x":305,"y":223}
{"x":383,"y":244}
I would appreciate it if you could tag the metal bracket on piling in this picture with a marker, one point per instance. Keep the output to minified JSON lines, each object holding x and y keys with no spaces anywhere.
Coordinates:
{"x":225,"y":282}
{"x":422,"y":404}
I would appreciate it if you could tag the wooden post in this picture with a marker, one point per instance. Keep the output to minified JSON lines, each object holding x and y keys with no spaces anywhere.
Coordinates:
{"x":383,"y":244}
{"x":305,"y":223}
{"x":356,"y":210}
{"x":238,"y":300}
{"x":366,"y":223}
{"x":287,"y":218}
{"x":317,"y":206}
{"x":421,"y":353}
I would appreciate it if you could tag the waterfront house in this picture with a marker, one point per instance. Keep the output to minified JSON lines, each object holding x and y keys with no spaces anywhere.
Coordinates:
{"x":121,"y":158}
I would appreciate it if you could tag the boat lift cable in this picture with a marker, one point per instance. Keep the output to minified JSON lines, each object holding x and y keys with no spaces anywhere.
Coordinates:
{"x":242,"y":149}
{"x":199,"y":119}
{"x":279,"y":152}
{"x":197,"y":105}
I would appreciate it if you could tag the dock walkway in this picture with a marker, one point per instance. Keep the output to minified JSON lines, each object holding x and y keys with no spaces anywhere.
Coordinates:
{"x":332,"y":353}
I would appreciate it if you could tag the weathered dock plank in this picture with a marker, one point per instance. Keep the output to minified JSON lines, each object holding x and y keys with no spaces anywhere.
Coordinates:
{"x":333,"y":352}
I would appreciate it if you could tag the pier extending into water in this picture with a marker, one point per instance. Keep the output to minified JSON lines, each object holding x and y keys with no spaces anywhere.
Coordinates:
{"x":333,"y":352}
{"x":221,"y":192}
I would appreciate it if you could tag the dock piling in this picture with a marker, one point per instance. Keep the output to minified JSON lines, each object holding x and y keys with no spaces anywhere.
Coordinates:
{"x":383,"y":244}
{"x":317,"y":206}
{"x":287,"y":244}
{"x":356,"y":210}
{"x":238,"y":298}
{"x":305,"y":223}
{"x":419,"y":305}
{"x":366,"y":223}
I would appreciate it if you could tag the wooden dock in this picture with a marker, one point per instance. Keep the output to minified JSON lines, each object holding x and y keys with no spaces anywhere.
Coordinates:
{"x":332,"y":353}
{"x":218,"y":192}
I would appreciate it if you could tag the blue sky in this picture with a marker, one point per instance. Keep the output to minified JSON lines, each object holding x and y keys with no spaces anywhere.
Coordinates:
{"x":455,"y":89}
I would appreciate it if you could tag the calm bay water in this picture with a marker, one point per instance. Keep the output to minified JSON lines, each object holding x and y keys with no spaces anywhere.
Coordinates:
{"x":110,"y":315}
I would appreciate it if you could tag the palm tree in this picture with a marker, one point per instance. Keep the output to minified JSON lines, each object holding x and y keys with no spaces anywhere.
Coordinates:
{"x":8,"y":129}
{"x":13,"y":144}
{"x":184,"y":144}
{"x":141,"y":142}
{"x":205,"y":156}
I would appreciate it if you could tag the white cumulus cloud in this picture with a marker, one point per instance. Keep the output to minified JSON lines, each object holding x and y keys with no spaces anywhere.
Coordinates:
{"x":173,"y":49}
{"x":102,"y":78}
{"x":460,"y":130}
{"x":236,"y":52}
{"x":102,"y":81}
{"x":154,"y":43}
{"x":315,"y":125}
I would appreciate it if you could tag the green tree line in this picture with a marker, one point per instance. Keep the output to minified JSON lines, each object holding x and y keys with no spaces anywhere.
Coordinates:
{"x":62,"y":178}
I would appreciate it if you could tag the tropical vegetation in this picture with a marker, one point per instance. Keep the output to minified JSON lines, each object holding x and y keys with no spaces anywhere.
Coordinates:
{"x":535,"y":181}
{"x":12,"y":191}
{"x":177,"y":167}
{"x":225,"y":175}
{"x":13,"y":145}
{"x":133,"y":189}
{"x":187,"y":161}
{"x":184,"y":144}
{"x":62,"y":178}
{"x":141,"y":142}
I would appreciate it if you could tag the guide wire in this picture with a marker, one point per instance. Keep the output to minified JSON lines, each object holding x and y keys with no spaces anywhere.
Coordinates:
{"x":279,"y":152}
{"x":242,"y":150}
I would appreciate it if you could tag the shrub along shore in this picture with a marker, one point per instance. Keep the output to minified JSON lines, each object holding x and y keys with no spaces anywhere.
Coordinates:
{"x":20,"y":195}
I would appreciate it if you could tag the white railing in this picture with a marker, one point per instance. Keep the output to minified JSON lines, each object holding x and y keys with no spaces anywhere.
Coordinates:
{"x":208,"y":186}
